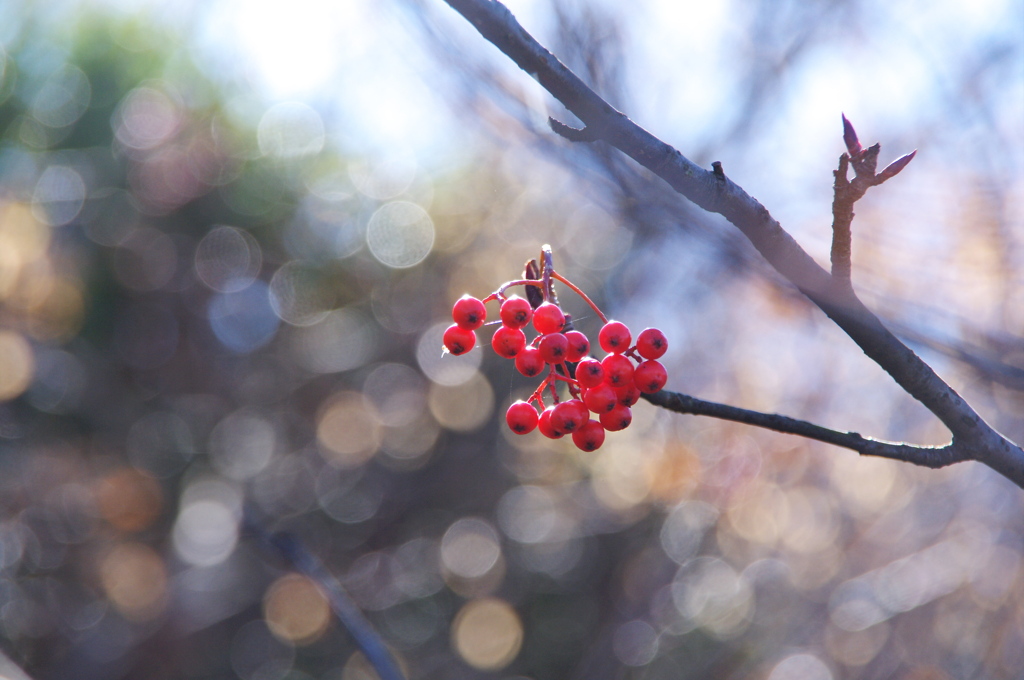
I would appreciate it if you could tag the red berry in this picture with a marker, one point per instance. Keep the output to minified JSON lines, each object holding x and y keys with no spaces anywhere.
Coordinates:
{"x":589,"y":437}
{"x":601,"y":399}
{"x":522,"y":417}
{"x":458,"y":340}
{"x":628,"y":394}
{"x":650,"y":376}
{"x":548,"y":318}
{"x":508,"y":342}
{"x":529,"y":362}
{"x":515,"y":312}
{"x":651,"y":343}
{"x":569,"y":416}
{"x":617,"y":419}
{"x":553,"y":347}
{"x":469,"y":313}
{"x":618,"y":370}
{"x":545,"y":426}
{"x":579,"y":346}
{"x":614,"y":337}
{"x":589,"y":372}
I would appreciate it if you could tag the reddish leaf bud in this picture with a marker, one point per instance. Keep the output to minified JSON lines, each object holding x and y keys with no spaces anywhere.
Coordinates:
{"x":850,"y":138}
{"x":894,"y":168}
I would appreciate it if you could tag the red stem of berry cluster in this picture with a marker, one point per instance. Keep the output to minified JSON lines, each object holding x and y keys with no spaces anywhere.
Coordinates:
{"x":544,"y":283}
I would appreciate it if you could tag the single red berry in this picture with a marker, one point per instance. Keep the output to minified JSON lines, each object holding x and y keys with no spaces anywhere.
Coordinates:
{"x":515,"y":312}
{"x":651,"y":343}
{"x":601,"y":398}
{"x":628,"y":394}
{"x":589,"y":437}
{"x":459,"y":340}
{"x":529,"y":362}
{"x":650,"y":376}
{"x":569,"y":416}
{"x":522,"y":417}
{"x":614,"y":337}
{"x":618,"y":370}
{"x":508,"y":342}
{"x":548,"y":318}
{"x":553,"y":347}
{"x":617,"y":419}
{"x":469,"y":313}
{"x":545,"y":426}
{"x":589,"y":372}
{"x":579,"y":346}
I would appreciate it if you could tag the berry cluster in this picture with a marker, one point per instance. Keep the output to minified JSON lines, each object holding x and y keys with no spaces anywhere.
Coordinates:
{"x":601,"y":392}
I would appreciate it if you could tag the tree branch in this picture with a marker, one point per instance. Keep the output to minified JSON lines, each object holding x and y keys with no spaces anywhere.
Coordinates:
{"x":721,"y":195}
{"x":928,"y":456}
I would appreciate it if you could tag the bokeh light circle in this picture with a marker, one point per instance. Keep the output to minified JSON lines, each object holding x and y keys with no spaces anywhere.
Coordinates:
{"x":244,"y":321}
{"x":487,"y":634}
{"x":635,"y":643}
{"x":400,"y":234}
{"x":146,"y":118}
{"x":17,"y":364}
{"x":463,"y":408}
{"x":709,"y":593}
{"x":63,"y":98}
{"x":470,"y":548}
{"x":295,"y":609}
{"x":59,"y":195}
{"x":298,"y":295}
{"x":290,"y":130}
{"x":242,"y":444}
{"x":135,"y":580}
{"x":349,"y":430}
{"x":341,"y":341}
{"x":228,"y":259}
{"x":206,"y":530}
{"x":801,"y":667}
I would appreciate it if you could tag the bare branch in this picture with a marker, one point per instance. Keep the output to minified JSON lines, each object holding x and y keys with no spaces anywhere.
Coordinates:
{"x":928,"y":456}
{"x":970,"y":432}
{"x":842,"y":219}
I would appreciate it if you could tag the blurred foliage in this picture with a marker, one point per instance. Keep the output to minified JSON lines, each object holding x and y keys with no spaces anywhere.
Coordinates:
{"x":209,"y":307}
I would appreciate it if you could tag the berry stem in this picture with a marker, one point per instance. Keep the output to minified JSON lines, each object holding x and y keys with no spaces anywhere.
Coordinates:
{"x":500,"y":293}
{"x":547,"y":269}
{"x":583,"y":295}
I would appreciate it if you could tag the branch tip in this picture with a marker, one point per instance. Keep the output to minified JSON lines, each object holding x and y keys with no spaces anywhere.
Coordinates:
{"x":719,"y":172}
{"x":895,"y":167}
{"x":850,"y":137}
{"x":584,"y":134}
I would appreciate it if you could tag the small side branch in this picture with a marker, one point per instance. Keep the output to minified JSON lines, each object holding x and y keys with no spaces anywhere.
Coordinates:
{"x":928,"y":456}
{"x":842,"y":220}
{"x":572,"y":134}
{"x":847,"y":193}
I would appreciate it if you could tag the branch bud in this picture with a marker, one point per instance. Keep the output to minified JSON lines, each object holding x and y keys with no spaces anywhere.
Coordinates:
{"x":850,"y":138}
{"x":894,"y":168}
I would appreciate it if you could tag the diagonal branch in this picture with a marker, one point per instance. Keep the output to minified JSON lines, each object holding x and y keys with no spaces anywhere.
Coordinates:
{"x":719,"y":194}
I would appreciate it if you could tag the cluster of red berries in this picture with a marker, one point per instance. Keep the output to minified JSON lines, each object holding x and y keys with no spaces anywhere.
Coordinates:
{"x":601,"y":392}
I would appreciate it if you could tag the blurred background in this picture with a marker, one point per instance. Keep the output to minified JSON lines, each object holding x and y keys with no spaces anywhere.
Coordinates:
{"x":230,"y":237}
